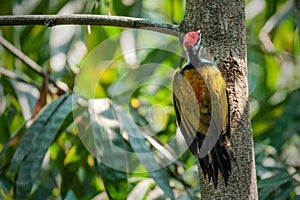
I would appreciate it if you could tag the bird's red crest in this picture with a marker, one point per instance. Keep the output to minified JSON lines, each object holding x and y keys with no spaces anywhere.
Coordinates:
{"x":191,"y":39}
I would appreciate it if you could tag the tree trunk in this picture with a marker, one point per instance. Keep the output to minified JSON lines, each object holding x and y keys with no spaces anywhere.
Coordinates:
{"x":222,"y":24}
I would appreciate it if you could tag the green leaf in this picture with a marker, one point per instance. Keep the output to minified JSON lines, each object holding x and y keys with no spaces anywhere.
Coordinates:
{"x":269,"y":185}
{"x":27,"y":95}
{"x":109,"y":148}
{"x":45,"y":188}
{"x":115,"y":182}
{"x":108,"y":121}
{"x":35,"y":142}
{"x":107,"y":144}
{"x":276,"y":180}
{"x":141,"y":189}
{"x":143,"y":151}
{"x":285,"y":192}
{"x":288,"y":123}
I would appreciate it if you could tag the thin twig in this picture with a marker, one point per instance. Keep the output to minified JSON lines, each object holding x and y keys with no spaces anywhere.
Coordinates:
{"x":84,"y":19}
{"x":10,"y":74}
{"x":33,"y":65}
{"x":264,"y":37}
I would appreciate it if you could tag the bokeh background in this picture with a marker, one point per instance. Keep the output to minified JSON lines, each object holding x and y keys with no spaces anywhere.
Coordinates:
{"x":134,"y":69}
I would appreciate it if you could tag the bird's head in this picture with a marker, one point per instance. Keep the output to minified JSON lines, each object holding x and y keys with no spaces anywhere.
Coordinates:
{"x":192,"y":44}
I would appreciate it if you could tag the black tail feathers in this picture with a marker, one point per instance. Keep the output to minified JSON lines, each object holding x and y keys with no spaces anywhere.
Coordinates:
{"x":218,"y":159}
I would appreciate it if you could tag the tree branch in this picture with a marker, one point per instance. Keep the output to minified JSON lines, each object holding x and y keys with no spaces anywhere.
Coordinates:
{"x":84,"y":19}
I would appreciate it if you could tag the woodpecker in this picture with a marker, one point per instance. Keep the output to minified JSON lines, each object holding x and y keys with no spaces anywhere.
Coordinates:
{"x":202,"y":110}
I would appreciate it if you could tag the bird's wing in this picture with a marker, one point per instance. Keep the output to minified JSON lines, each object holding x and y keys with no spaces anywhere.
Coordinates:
{"x":186,"y":107}
{"x":207,"y":113}
{"x":219,"y":107}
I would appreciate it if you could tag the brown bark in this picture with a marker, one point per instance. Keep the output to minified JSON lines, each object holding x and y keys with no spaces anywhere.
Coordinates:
{"x":222,"y":24}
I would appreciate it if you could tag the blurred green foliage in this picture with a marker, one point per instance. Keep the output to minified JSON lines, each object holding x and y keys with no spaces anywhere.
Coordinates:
{"x":64,"y":151}
{"x":274,"y":80}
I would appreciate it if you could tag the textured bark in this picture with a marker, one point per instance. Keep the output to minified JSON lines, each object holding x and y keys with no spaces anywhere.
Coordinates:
{"x":222,"y":24}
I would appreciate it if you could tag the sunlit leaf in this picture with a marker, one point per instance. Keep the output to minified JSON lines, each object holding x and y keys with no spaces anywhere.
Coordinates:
{"x":107,"y":148}
{"x":143,"y":151}
{"x":27,"y":96}
{"x":141,"y":189}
